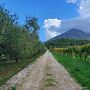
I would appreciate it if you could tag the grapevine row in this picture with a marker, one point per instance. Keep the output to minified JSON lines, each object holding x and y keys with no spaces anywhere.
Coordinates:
{"x":82,"y":52}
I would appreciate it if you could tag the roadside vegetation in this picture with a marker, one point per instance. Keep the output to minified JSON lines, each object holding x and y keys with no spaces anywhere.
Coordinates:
{"x":81,"y":52}
{"x":74,"y":55}
{"x":19,"y":44}
{"x":78,"y":68}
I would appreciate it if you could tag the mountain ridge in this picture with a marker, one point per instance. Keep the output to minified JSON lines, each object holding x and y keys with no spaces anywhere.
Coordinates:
{"x":73,"y":34}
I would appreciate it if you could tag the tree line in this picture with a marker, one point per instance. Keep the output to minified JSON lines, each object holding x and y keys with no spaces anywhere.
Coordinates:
{"x":62,"y":43}
{"x":18,"y":42}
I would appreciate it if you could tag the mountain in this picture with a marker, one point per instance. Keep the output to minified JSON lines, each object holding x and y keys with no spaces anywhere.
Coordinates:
{"x":73,"y":34}
{"x":73,"y":37}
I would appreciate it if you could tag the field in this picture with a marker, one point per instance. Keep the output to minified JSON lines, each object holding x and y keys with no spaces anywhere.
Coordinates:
{"x":79,"y":69}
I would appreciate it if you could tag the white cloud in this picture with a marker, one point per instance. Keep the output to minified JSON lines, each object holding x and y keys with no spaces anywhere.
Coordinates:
{"x":52,"y":22}
{"x":79,"y":23}
{"x":50,"y":34}
{"x":72,"y":1}
{"x":80,"y":8}
{"x":51,"y":26}
{"x":54,"y":27}
{"x":84,"y":8}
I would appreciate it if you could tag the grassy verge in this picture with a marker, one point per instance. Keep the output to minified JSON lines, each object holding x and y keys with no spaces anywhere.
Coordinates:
{"x":79,"y":69}
{"x":9,"y":70}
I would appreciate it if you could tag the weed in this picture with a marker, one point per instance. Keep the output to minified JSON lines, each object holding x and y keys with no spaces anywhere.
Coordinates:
{"x":79,"y":69}
{"x":13,"y":88}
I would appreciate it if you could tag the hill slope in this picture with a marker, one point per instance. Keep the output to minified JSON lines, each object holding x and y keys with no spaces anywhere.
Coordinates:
{"x":74,"y":37}
{"x":73,"y":34}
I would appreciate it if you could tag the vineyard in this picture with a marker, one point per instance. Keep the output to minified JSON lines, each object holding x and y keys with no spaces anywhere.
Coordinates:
{"x":74,"y":55}
{"x":76,"y":59}
{"x":82,"y":52}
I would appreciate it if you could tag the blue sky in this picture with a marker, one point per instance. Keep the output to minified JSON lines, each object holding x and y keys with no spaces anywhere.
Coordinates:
{"x":42,"y":9}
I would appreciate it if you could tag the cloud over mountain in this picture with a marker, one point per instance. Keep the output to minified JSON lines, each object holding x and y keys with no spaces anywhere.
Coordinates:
{"x":51,"y":26}
{"x":54,"y":27}
{"x":79,"y":23}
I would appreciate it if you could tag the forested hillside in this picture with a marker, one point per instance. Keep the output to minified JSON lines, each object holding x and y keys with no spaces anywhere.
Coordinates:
{"x":62,"y":43}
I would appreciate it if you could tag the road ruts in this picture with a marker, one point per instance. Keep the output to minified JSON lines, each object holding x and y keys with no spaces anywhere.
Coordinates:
{"x":45,"y":74}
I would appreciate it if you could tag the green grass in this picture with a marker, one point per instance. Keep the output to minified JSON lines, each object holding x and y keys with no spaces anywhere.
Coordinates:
{"x":79,"y":69}
{"x":13,"y":88}
{"x":49,"y":82}
{"x":9,"y":70}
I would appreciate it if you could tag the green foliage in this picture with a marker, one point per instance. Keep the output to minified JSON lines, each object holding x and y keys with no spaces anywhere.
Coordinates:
{"x":63,"y":43}
{"x":18,"y":42}
{"x":82,"y":52}
{"x":78,"y":69}
{"x":13,"y":88}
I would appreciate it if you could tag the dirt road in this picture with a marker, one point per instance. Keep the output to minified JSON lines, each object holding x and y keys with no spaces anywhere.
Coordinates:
{"x":45,"y":74}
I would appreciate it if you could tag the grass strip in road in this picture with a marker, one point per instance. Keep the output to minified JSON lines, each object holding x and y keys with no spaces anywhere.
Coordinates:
{"x":78,"y":69}
{"x":50,"y":80}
